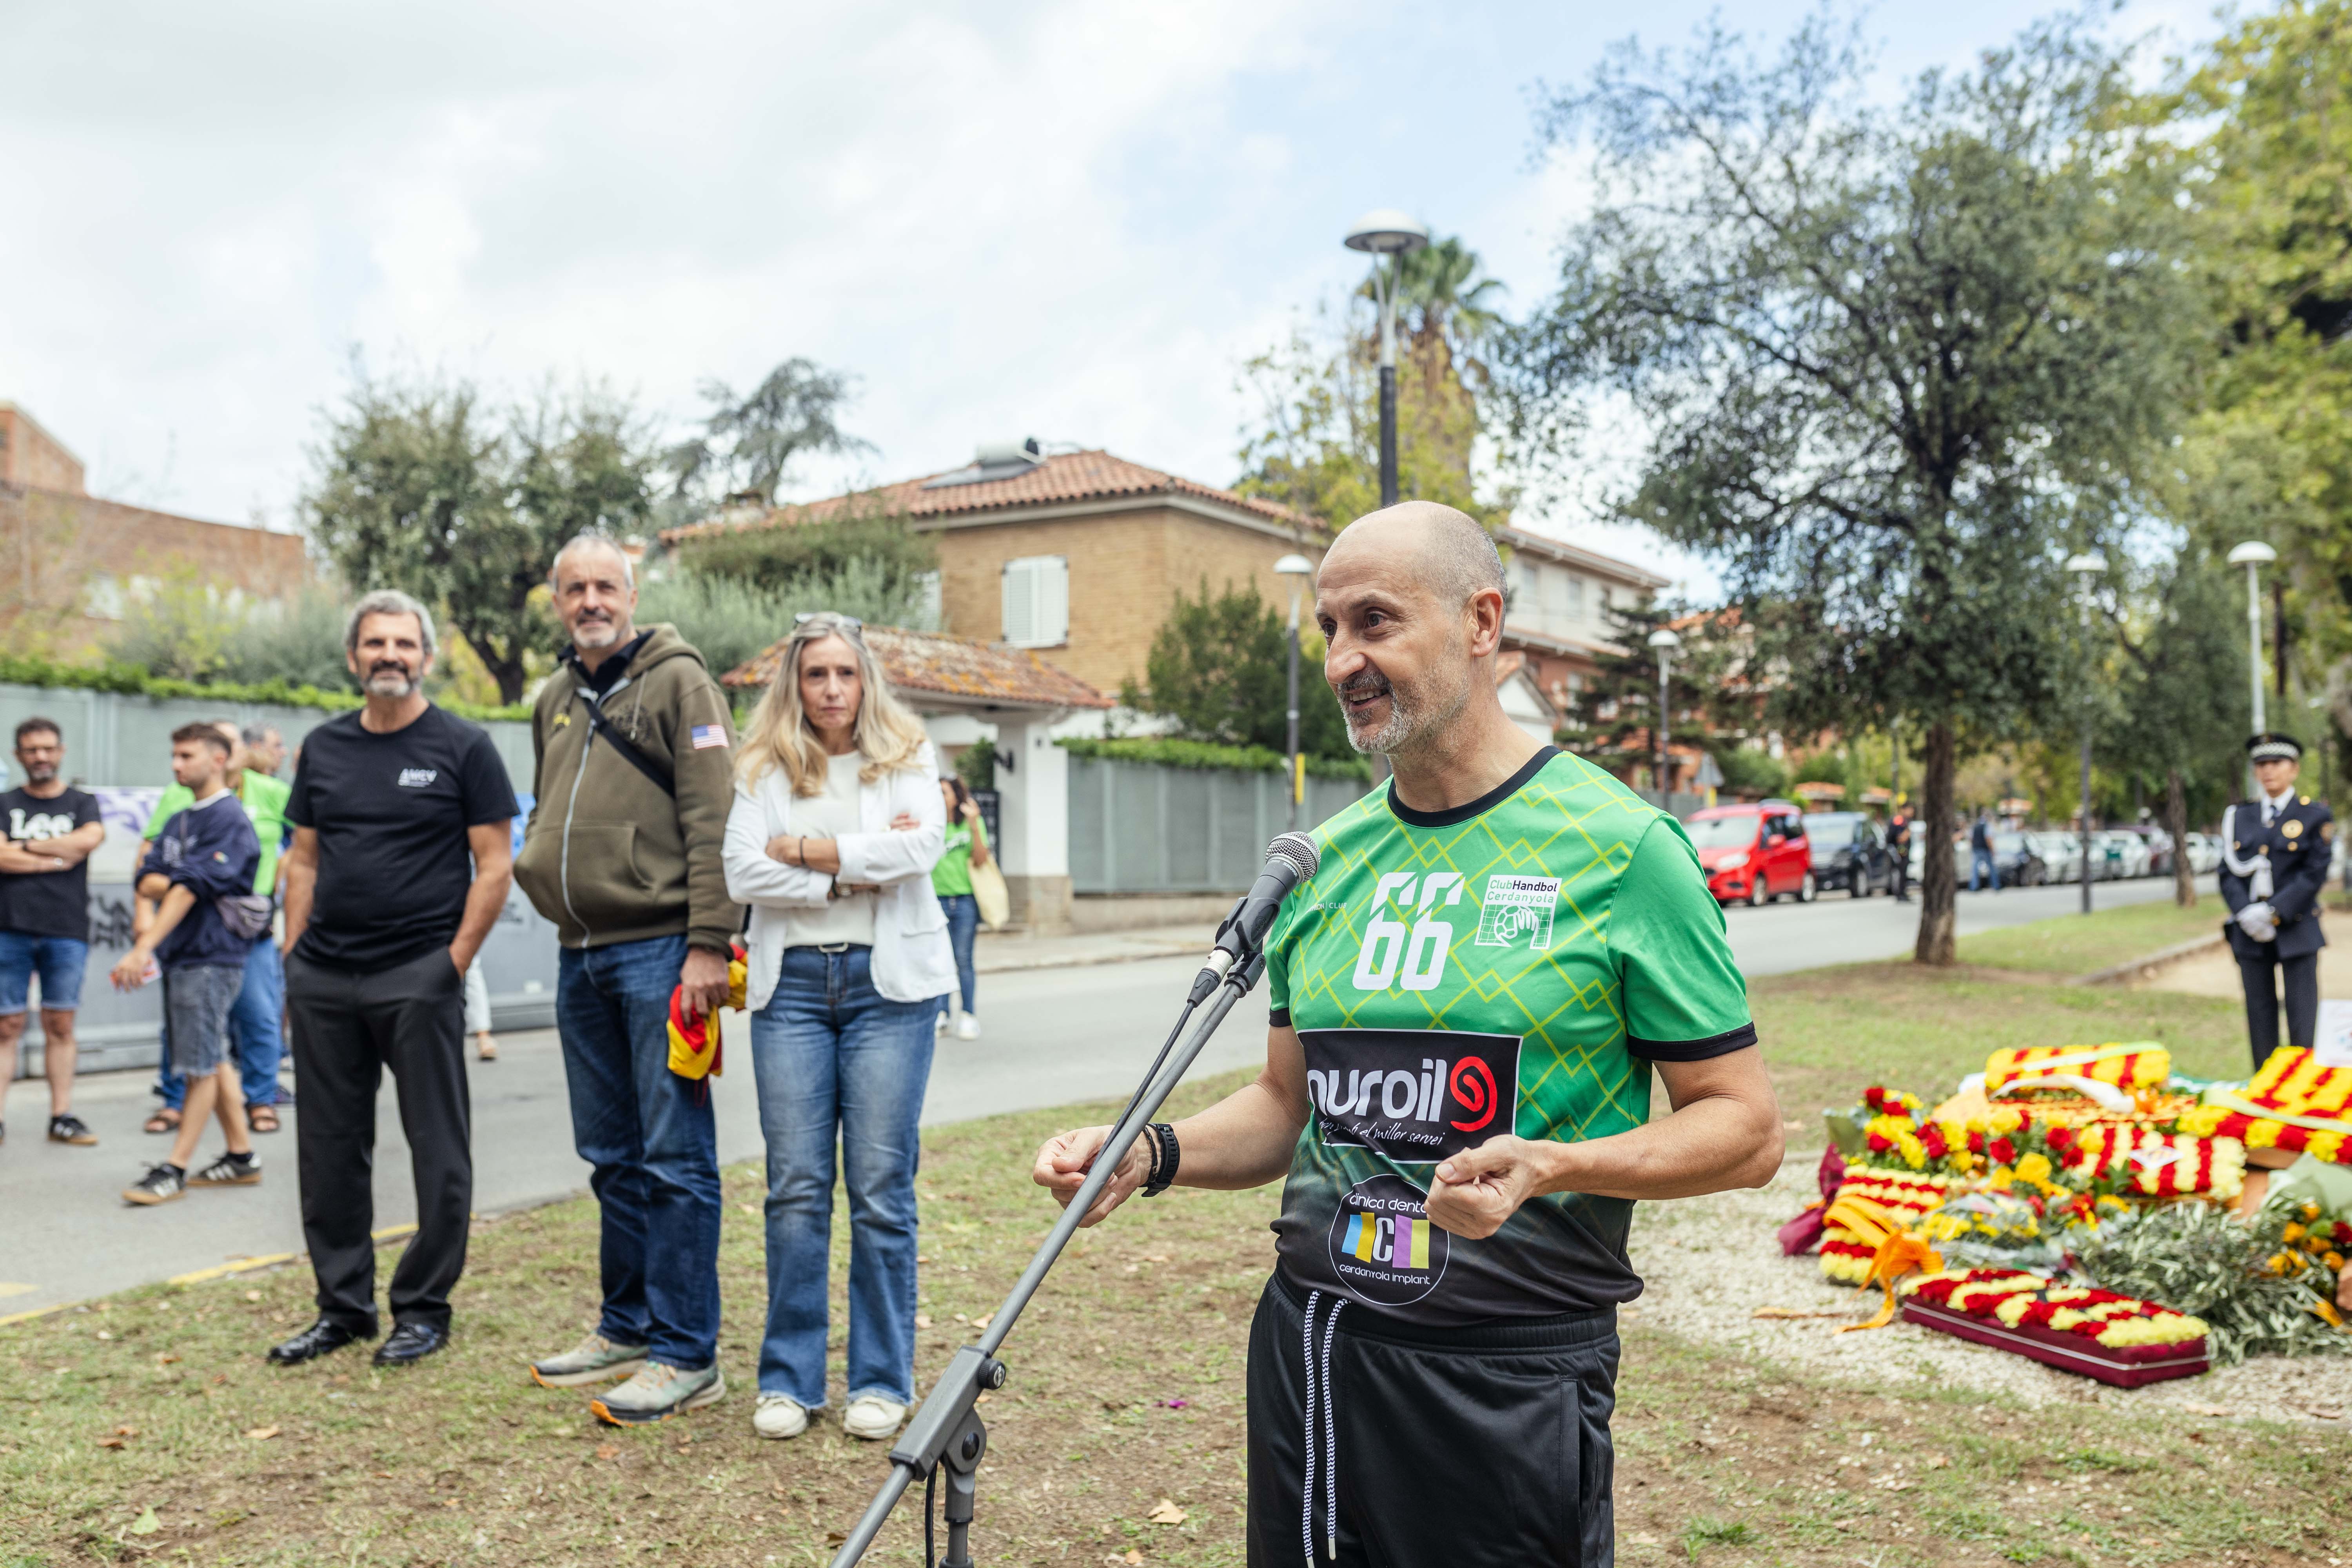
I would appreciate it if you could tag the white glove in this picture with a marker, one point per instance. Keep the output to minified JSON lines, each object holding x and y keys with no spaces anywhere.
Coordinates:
{"x":2258,"y":921}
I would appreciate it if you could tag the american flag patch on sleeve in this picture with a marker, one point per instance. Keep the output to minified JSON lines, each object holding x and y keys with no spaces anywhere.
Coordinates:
{"x":709,"y":735}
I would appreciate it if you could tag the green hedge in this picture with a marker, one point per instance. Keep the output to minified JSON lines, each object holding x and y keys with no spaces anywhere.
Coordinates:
{"x":1172,"y":754}
{"x":129,"y":681}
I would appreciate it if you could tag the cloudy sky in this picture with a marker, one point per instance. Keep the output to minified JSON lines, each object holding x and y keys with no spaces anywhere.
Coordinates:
{"x":1028,"y":217}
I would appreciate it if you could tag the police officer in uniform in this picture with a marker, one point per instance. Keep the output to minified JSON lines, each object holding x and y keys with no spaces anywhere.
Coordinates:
{"x":2274,"y":855}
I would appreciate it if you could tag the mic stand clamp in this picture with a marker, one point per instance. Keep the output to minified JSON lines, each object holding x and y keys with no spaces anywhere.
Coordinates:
{"x":947,"y":1430}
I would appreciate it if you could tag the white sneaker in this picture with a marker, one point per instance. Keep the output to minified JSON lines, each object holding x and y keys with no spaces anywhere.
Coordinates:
{"x":779,"y":1416}
{"x":939,"y":1022}
{"x":873,"y":1418}
{"x":967,"y":1027}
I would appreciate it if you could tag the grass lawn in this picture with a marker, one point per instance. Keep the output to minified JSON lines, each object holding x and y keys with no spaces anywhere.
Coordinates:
{"x":146,"y":1427}
{"x":2072,"y":944}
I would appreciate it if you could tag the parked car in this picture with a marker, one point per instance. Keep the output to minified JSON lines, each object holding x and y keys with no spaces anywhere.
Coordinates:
{"x":2205,"y":854}
{"x":1848,"y":852}
{"x":2125,"y":852}
{"x":1754,"y":852}
{"x":1918,"y":867}
{"x":2157,"y":845}
{"x":2014,"y":857}
{"x":2060,"y":852}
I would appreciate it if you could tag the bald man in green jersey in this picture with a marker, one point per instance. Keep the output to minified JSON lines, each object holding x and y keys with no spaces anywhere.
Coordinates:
{"x":1469,"y":998}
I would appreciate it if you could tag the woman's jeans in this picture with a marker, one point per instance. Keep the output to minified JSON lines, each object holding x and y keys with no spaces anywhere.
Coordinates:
{"x":832,"y":1055}
{"x":963,"y":923}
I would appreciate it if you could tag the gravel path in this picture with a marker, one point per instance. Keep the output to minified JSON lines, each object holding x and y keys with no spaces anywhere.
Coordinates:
{"x":1711,"y":1262}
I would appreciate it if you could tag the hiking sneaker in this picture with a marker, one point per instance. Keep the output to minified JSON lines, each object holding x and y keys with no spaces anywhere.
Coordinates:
{"x":70,"y":1129}
{"x":229,"y":1171}
{"x":593,"y":1360}
{"x":159,"y":1186}
{"x":657,"y":1393}
{"x":779,"y":1416}
{"x":872,"y":1418}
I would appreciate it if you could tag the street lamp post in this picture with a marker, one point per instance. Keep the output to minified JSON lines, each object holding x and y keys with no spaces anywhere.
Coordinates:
{"x":2253,"y":555}
{"x":1298,"y":568}
{"x":1665,"y":642}
{"x":2085,"y":568}
{"x":1384,"y":231}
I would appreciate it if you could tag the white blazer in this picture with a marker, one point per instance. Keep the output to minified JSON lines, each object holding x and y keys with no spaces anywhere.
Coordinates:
{"x":912,"y":959}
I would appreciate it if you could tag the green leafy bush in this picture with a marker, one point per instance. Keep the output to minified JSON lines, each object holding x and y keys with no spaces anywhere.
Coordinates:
{"x":129,"y":681}
{"x":732,"y":618}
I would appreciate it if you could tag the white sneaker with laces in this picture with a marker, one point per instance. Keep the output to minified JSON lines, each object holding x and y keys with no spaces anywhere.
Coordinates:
{"x":967,"y":1027}
{"x":779,"y":1416}
{"x":873,"y":1418}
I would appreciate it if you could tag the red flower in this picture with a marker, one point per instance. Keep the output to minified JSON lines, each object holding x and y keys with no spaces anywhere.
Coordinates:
{"x":1976,"y":1142}
{"x":2060,"y":1140}
{"x":1932,"y":1141}
{"x":1880,"y":1143}
{"x":2003,"y":1151}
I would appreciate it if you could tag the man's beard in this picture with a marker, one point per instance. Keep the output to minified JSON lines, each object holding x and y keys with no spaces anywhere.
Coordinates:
{"x":39,"y":773}
{"x":595,"y":633}
{"x":1411,"y":715}
{"x":389,"y":678}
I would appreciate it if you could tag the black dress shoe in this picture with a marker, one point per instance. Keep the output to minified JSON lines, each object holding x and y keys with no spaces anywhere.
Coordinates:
{"x":315,"y":1341}
{"x":409,"y":1343}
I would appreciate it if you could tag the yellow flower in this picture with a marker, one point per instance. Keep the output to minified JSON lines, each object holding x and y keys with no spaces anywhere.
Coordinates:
{"x":2327,"y":1146}
{"x":2004,"y":1119}
{"x":2292,"y":1232}
{"x":2201,"y":1121}
{"x":2034,"y":1168}
{"x":2335,"y":1261}
{"x":2262,"y":1135}
{"x":2310,"y":1211}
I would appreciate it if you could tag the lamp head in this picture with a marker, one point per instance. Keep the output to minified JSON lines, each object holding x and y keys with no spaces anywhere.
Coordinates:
{"x":1384,"y":231}
{"x":2252,"y":553}
{"x":1664,"y":637}
{"x":2086,"y":565}
{"x":1293,"y":566}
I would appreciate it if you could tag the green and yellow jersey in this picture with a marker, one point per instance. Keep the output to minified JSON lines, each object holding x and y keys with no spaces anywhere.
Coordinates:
{"x":1511,"y":965}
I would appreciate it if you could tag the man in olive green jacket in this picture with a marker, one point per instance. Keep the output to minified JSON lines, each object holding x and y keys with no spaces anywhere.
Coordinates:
{"x":635,"y":777}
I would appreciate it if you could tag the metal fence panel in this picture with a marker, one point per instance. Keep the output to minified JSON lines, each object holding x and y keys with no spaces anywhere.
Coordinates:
{"x":1138,"y":828}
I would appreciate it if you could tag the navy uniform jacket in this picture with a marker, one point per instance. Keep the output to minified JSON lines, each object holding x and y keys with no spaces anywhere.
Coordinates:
{"x":2298,"y":847}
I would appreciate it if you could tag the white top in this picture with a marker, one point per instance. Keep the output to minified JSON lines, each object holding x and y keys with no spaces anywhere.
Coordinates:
{"x":912,"y":959}
{"x":833,"y":815}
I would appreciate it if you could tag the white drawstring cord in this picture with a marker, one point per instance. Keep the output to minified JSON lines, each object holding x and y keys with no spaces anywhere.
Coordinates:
{"x":1330,"y":1440}
{"x":1307,"y":1502}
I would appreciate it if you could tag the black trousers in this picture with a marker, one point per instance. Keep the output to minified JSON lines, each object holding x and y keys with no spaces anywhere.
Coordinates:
{"x":348,"y":1028}
{"x":2261,"y":975}
{"x":1481,"y":1447}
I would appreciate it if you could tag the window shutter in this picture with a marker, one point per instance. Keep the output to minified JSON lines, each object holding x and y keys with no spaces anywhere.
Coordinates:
{"x":1037,"y":601}
{"x":1020,"y":603}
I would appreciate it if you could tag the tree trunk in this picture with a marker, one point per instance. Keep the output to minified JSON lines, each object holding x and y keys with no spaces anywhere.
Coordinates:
{"x":1940,"y":882}
{"x":2176,"y":823}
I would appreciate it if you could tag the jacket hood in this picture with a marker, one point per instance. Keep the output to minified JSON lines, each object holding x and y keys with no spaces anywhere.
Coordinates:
{"x":662,"y":644}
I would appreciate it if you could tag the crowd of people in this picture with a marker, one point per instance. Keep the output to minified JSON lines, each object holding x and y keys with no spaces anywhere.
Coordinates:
{"x":816,"y":871}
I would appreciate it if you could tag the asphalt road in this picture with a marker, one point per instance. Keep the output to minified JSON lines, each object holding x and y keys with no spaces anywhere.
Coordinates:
{"x":1053,"y":1036}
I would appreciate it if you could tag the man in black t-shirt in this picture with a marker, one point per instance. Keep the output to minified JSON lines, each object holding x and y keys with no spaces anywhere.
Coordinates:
{"x":401,"y":857}
{"x":44,"y":914}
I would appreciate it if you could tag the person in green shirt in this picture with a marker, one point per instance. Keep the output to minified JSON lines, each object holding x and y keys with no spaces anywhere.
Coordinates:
{"x":1470,"y":998}
{"x":967,"y":846}
{"x":256,"y":1023}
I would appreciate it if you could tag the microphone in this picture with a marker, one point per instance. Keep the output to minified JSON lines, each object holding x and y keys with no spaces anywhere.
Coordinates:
{"x":1290,"y":859}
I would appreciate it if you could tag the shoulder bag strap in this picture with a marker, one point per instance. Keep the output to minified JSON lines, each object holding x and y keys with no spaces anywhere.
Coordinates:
{"x":625,"y":748}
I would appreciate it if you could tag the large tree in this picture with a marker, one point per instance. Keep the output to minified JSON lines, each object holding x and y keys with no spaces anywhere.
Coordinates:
{"x":1888,"y":362}
{"x":1219,"y":668}
{"x":419,"y":486}
{"x":751,"y":441}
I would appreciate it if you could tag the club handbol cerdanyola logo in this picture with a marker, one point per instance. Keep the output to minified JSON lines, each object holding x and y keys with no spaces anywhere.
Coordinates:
{"x":1517,"y":909}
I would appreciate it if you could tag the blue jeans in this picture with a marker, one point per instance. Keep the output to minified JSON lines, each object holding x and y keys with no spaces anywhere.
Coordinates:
{"x":963,"y":922}
{"x":1980,"y":863}
{"x":59,"y":961}
{"x":834,"y":1057}
{"x":651,"y":1139}
{"x":255,"y":1036}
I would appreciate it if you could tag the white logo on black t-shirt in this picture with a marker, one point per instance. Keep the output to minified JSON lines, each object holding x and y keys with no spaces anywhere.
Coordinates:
{"x":33,"y":827}
{"x":417,"y":778}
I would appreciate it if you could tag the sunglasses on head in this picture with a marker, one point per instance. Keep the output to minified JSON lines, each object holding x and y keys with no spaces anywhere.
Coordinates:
{"x":805,"y":617}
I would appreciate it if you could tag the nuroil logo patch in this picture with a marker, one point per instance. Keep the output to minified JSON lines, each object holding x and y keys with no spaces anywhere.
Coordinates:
{"x":1383,"y":1246}
{"x":1413,"y":1095}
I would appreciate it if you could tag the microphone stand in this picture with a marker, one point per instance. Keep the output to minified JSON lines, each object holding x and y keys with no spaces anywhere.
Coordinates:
{"x":946,"y":1428}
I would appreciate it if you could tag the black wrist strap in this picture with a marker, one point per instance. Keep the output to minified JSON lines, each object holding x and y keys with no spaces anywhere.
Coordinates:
{"x":1165,"y":1155}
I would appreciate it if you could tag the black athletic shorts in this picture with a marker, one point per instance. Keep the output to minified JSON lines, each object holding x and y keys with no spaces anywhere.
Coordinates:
{"x":1428,"y":1448}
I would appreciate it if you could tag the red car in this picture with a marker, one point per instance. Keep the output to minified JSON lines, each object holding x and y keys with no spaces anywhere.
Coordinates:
{"x":1754,"y":852}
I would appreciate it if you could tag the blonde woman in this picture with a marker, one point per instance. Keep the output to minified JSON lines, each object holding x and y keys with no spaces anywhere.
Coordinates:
{"x":848,"y":955}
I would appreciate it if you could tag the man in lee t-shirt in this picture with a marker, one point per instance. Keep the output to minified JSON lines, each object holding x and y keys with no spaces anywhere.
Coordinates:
{"x":402,"y":856}
{"x":44,"y":912}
